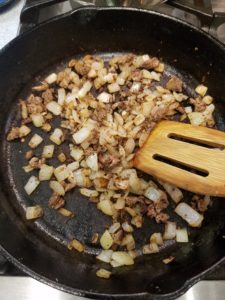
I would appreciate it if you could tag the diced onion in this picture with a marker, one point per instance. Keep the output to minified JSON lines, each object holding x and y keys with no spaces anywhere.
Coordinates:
{"x":104,"y":97}
{"x":51,"y":78}
{"x":106,"y":207}
{"x":201,"y":90}
{"x":57,"y":136}
{"x":106,"y":240}
{"x":122,"y":258}
{"x":114,"y":227}
{"x":156,"y":238}
{"x":105,"y":256}
{"x":113,"y":88}
{"x":102,"y":273}
{"x":35,"y":141}
{"x":175,"y":193}
{"x":73,"y":166}
{"x":150,"y":249}
{"x":48,"y":151}
{"x":57,"y":187}
{"x":88,"y":193}
{"x":92,"y":162}
{"x":37,"y":120}
{"x":45,"y":172}
{"x":191,"y":216}
{"x":85,"y":89}
{"x":196,"y":118}
{"x":34,"y":212}
{"x":54,"y":108}
{"x":170,"y":231}
{"x":153,"y":194}
{"x":61,"y":173}
{"x":75,"y":244}
{"x":31,"y":185}
{"x":61,"y":96}
{"x":182,"y":235}
{"x":81,"y":135}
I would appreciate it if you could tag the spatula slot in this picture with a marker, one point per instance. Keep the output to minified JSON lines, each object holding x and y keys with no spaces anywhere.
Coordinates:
{"x":191,"y":140}
{"x":180,"y":165}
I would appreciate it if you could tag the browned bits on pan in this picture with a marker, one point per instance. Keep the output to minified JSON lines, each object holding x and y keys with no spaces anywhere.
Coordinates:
{"x":29,"y":154}
{"x":174,"y":84}
{"x":94,"y":238}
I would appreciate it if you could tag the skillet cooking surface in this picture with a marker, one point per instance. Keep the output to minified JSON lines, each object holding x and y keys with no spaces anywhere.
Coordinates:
{"x":41,"y":245}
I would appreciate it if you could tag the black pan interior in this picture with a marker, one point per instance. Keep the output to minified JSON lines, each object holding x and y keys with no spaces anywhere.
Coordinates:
{"x":39,"y":247}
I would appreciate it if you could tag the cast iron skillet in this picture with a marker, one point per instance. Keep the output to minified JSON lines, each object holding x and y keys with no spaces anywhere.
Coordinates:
{"x":39,"y":248}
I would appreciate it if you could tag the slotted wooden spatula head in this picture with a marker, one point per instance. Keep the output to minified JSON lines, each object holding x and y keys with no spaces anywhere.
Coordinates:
{"x":190,"y":157}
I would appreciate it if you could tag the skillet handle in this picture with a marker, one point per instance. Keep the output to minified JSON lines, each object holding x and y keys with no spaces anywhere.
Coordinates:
{"x":29,"y":14}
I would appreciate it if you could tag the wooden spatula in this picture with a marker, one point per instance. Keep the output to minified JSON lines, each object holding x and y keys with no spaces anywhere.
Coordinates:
{"x":190,"y":157}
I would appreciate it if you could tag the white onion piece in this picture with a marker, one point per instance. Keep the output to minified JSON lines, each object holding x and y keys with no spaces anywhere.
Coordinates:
{"x":201,"y":90}
{"x":122,"y":258}
{"x":92,"y":162}
{"x":61,"y":96}
{"x":45,"y":172}
{"x":61,"y":173}
{"x":156,"y":238}
{"x":35,"y":141}
{"x":37,"y":120}
{"x":31,"y":185}
{"x":105,"y":255}
{"x":57,"y":187}
{"x":113,"y":88}
{"x":34,"y":212}
{"x":51,"y":78}
{"x":196,"y":118}
{"x":76,"y":153}
{"x":191,"y":216}
{"x":104,"y":97}
{"x":24,"y":131}
{"x":48,"y":151}
{"x":88,"y":193}
{"x":54,"y":108}
{"x":182,"y":235}
{"x":82,"y":134}
{"x":85,"y":89}
{"x":153,"y":194}
{"x":175,"y":193}
{"x":73,"y":166}
{"x":106,"y":240}
{"x":106,"y":207}
{"x":57,"y":136}
{"x":170,"y":231}
{"x":102,"y":273}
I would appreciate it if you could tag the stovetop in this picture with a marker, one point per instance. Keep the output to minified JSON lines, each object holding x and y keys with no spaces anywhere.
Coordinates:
{"x":207,"y":14}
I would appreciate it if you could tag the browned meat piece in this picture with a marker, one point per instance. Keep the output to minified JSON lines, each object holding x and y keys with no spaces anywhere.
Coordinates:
{"x":99,"y":114}
{"x":162,"y":218}
{"x":151,"y":63}
{"x":198,"y":104}
{"x":34,"y":104}
{"x":55,"y":201}
{"x":136,"y":75}
{"x":121,"y":60}
{"x":174,"y":84}
{"x":107,"y":160}
{"x":36,"y":163}
{"x":81,"y":68}
{"x":89,"y":151}
{"x":132,"y":200}
{"x":48,"y":96}
{"x":13,"y":134}
{"x":29,"y":154}
{"x":155,"y":210}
